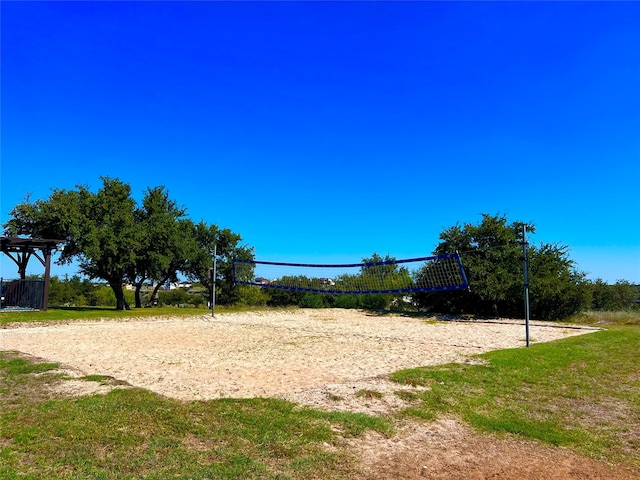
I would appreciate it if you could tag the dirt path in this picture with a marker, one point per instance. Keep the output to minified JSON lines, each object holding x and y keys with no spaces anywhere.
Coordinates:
{"x":448,"y":450}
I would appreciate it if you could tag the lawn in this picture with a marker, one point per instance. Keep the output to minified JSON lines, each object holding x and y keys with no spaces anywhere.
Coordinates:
{"x":91,"y":313}
{"x":581,"y":392}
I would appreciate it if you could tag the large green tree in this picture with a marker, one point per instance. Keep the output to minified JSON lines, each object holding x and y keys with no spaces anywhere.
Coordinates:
{"x":165,"y":242}
{"x":115,"y":240}
{"x":99,"y":230}
{"x":380,"y":273}
{"x":557,"y":288}
{"x":492,"y":255}
{"x":227,"y":246}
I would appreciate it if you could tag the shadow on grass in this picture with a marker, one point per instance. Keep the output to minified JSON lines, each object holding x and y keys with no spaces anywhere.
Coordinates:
{"x":84,"y":309}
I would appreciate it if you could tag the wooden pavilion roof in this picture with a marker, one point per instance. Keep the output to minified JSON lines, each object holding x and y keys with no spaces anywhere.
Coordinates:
{"x":18,"y":244}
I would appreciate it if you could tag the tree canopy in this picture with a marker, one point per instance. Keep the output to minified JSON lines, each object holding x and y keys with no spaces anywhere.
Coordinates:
{"x":114,"y":239}
{"x":492,"y":255}
{"x":226,"y":245}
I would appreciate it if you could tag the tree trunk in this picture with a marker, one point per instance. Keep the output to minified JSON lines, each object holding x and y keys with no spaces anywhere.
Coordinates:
{"x":137,"y":293}
{"x":116,"y":286}
{"x":154,"y":294}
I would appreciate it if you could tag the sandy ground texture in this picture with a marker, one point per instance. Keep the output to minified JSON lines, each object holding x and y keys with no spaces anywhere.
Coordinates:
{"x":324,"y":358}
{"x":448,"y":450}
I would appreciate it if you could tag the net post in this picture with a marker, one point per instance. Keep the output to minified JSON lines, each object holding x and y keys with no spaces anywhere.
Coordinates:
{"x":462,"y":272}
{"x":213,"y":282}
{"x":525,"y":257}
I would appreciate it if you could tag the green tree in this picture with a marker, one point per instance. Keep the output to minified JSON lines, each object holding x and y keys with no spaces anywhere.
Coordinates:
{"x":106,"y":239}
{"x":72,"y":291}
{"x":227,"y":246}
{"x":557,"y":290}
{"x":380,"y":273}
{"x":619,"y":296}
{"x":164,"y":243}
{"x":99,"y":230}
{"x":114,"y":240}
{"x":492,"y":257}
{"x":378,"y":267}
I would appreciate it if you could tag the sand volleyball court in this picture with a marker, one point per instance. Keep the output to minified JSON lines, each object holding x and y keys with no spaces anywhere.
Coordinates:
{"x":317,"y":357}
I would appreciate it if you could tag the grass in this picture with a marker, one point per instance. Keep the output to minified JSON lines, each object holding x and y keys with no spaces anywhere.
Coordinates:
{"x":368,"y":394}
{"x":91,"y":313}
{"x":582,"y":393}
{"x":628,"y":317}
{"x":133,"y":433}
{"x":66,"y":314}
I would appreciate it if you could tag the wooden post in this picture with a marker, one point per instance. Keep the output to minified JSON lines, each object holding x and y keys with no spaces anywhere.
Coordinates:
{"x":47,"y":277}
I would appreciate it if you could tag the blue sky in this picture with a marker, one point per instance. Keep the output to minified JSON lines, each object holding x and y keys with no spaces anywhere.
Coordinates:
{"x":325,"y":131}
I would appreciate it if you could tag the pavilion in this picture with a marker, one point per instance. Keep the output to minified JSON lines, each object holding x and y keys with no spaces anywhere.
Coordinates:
{"x":20,"y":250}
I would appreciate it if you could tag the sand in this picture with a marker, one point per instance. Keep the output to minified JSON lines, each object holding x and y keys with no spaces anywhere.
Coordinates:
{"x":319,"y":357}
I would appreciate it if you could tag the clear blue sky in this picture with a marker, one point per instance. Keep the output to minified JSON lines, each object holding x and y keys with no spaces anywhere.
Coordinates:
{"x":324,"y":132}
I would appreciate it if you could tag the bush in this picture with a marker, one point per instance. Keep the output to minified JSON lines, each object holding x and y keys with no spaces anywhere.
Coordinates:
{"x":252,"y":296}
{"x":284,"y":298}
{"x":312,"y":300}
{"x":346,"y":301}
{"x":375,"y":302}
{"x":179,"y":296}
{"x":620,"y":296}
{"x":103,"y":296}
{"x":73,"y":291}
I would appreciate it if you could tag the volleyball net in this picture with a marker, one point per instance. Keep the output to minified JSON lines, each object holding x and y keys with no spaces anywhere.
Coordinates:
{"x":424,"y":274}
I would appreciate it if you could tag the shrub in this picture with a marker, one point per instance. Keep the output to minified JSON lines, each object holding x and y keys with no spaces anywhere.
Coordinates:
{"x":103,"y":296}
{"x":312,"y":300}
{"x":252,"y":296}
{"x":180,"y":296}
{"x":346,"y":301}
{"x":620,"y":296}
{"x":284,"y":298}
{"x":375,"y":302}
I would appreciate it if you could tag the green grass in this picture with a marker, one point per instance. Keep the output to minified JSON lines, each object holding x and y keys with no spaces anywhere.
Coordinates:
{"x":94,"y":313}
{"x":628,"y":317}
{"x":20,"y":366}
{"x":581,"y":392}
{"x":369,"y":394}
{"x":133,"y":433}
